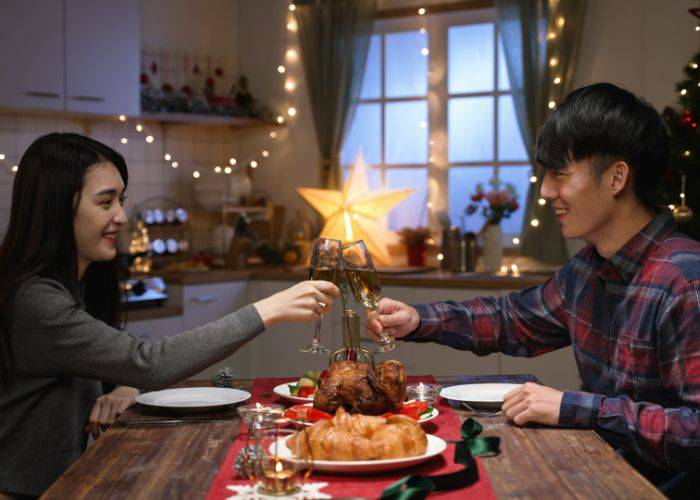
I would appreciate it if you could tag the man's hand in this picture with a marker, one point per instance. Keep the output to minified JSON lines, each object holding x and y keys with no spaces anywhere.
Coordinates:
{"x":395,"y":318}
{"x":533,"y":403}
{"x":108,"y":407}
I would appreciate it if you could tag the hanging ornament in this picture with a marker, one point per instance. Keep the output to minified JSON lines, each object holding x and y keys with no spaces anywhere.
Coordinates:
{"x":683,"y":213}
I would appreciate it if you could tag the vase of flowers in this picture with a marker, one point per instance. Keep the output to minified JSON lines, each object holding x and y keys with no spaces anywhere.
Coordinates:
{"x":415,"y":240}
{"x":495,"y":205}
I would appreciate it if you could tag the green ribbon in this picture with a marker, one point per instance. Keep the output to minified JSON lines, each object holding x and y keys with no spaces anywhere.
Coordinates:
{"x":417,"y":486}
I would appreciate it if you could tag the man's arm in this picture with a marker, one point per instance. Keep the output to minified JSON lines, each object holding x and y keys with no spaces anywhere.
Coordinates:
{"x":668,"y":436}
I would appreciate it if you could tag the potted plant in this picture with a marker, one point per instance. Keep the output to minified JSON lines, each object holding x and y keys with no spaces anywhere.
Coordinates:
{"x":415,"y":239}
{"x":497,"y":204}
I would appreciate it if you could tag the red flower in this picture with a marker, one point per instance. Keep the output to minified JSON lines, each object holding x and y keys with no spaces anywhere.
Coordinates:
{"x":144,"y":78}
{"x":154,"y":68}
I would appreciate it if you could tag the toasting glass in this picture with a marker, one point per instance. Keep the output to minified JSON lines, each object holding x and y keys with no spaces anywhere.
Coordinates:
{"x":325,"y":265}
{"x":364,"y":280}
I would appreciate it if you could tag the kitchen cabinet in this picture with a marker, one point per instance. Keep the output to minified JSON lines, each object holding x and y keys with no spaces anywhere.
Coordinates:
{"x":80,"y":56}
{"x":31,"y":48}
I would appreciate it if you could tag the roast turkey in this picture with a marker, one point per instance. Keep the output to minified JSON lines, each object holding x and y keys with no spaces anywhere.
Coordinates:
{"x":361,"y":388}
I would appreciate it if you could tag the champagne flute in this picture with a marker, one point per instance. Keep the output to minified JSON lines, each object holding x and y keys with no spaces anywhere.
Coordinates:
{"x":324,"y":265}
{"x":364,"y":280}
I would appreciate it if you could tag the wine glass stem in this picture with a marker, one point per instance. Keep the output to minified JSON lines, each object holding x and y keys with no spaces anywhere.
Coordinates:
{"x":317,"y":331}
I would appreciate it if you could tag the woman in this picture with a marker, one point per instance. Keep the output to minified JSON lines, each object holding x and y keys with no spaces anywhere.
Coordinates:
{"x":60,"y":333}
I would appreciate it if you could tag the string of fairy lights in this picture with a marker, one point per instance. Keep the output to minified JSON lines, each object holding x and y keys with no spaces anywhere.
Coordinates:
{"x":287,"y":69}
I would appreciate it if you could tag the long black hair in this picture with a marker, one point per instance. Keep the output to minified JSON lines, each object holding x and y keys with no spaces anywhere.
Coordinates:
{"x":40,"y":240}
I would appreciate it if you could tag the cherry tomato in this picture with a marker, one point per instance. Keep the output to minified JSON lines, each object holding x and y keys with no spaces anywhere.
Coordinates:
{"x":413,"y":409}
{"x":306,"y":414}
{"x":305,"y":392}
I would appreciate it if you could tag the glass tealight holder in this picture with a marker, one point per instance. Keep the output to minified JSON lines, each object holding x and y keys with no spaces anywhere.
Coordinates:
{"x":255,"y":416}
{"x":428,"y":393}
{"x":280,"y":462}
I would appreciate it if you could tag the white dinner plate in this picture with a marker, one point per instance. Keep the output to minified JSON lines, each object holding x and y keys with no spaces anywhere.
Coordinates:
{"x":282,"y":391}
{"x":434,"y":412}
{"x":480,"y":395}
{"x":193,"y":397}
{"x":436,"y":446}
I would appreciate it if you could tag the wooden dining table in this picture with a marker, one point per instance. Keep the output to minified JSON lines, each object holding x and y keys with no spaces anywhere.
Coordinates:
{"x":140,"y":458}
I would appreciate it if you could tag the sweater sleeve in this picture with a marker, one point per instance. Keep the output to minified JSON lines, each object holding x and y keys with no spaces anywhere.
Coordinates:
{"x":53,"y":336}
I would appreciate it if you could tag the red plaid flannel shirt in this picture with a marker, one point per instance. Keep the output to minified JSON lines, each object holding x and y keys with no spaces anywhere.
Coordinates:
{"x":634,"y":324}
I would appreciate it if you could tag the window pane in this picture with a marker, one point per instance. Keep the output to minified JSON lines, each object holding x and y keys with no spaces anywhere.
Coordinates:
{"x":364,"y":136}
{"x":406,"y":133}
{"x":510,"y":140}
{"x":470,"y":58}
{"x":412,"y":211}
{"x":503,"y":80}
{"x":470,"y":129}
{"x":462,"y":183}
{"x":374,"y":178}
{"x":520,"y":178}
{"x":406,"y":66}
{"x":372,"y":79}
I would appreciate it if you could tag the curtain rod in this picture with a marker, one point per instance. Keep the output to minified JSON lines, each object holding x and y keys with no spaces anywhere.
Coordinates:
{"x":435,"y":9}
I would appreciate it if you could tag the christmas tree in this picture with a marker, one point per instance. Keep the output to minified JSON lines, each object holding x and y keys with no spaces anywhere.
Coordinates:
{"x":684,"y":160}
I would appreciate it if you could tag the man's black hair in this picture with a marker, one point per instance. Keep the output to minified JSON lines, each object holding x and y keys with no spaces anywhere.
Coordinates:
{"x":604,"y":123}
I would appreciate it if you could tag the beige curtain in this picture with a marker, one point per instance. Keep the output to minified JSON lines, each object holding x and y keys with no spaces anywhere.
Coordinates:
{"x":540,"y":41}
{"x":334,"y":36}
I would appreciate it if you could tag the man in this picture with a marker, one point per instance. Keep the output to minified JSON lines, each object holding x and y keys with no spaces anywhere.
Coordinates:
{"x":628,"y":303}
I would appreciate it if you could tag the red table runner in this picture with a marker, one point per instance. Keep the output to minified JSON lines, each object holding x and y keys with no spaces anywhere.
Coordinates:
{"x":446,"y":426}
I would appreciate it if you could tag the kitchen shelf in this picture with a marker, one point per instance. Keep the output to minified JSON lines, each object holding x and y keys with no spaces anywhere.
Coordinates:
{"x":226,"y":121}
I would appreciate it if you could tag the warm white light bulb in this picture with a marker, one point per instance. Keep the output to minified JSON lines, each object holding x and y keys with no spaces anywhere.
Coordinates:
{"x":423,"y":124}
{"x":542,"y":201}
{"x":533,"y":179}
{"x":292,"y":7}
{"x":281,"y":69}
{"x":139,"y":127}
{"x":2,"y":156}
{"x":421,"y":11}
{"x":217,"y":169}
{"x":424,"y":51}
{"x":167,"y":157}
{"x":534,"y":223}
{"x":551,"y":35}
{"x":672,"y":207}
{"x":280,"y":119}
{"x":553,"y":61}
{"x":431,"y":159}
{"x":557,"y":80}
{"x":694,"y":65}
{"x":516,"y":241}
{"x":290,"y":84}
{"x":228,"y":170}
{"x":253,"y":164}
{"x":292,"y":55}
{"x":292,"y":111}
{"x":15,"y":168}
{"x":429,"y":204}
{"x":697,"y":28}
{"x":552,"y":104}
{"x":504,"y":269}
{"x":292,"y":26}
{"x":149,"y":139}
{"x":273,"y":135}
{"x":265,"y":153}
{"x":122,"y":118}
{"x":232,"y":161}
{"x":440,"y":257}
{"x":195,"y":174}
{"x":422,"y":31}
{"x":560,"y":22}
{"x":124,"y":140}
{"x":684,"y":91}
{"x":175,"y":164}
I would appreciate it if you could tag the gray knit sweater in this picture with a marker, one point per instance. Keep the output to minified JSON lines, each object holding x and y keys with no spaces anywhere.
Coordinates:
{"x":61,"y":354}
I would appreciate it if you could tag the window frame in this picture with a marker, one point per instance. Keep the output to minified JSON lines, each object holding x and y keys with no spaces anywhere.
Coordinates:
{"x":438,"y":98}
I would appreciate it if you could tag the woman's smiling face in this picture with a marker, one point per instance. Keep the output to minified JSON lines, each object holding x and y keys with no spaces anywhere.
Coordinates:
{"x":99,"y":216}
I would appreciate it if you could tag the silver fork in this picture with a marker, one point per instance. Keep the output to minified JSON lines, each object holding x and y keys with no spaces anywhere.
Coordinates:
{"x":480,"y":413}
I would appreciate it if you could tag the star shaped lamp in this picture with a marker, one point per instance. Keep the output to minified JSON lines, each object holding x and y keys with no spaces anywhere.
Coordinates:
{"x":356,"y":213}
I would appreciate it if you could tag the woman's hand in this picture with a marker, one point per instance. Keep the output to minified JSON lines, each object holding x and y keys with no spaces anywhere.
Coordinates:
{"x":108,"y":407}
{"x":304,"y":302}
{"x":395,"y":318}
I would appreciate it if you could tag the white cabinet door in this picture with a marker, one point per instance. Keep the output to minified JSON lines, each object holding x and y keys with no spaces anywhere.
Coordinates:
{"x":31,"y":49}
{"x":102,"y":56}
{"x":206,"y":303}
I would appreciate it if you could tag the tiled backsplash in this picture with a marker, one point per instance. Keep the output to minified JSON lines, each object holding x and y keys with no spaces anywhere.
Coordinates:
{"x":194,"y":146}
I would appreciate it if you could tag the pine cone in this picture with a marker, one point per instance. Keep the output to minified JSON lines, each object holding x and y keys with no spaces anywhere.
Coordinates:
{"x":223,"y":378}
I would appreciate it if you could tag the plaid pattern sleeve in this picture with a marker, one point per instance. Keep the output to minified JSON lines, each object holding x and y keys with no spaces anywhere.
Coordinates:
{"x":525,"y":323}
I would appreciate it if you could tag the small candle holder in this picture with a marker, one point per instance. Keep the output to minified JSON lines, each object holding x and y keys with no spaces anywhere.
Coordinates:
{"x":280,"y":464}
{"x":428,"y":393}
{"x":254,"y":416}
